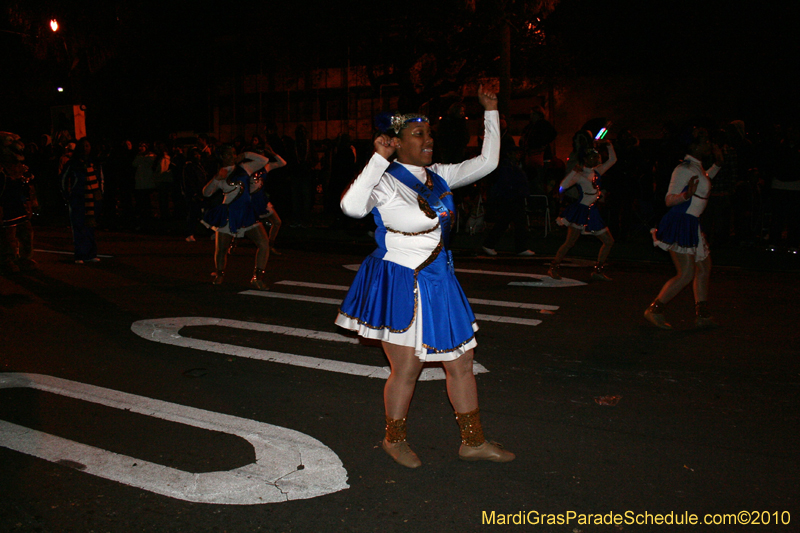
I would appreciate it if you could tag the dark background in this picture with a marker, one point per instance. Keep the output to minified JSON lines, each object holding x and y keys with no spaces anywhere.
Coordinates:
{"x":146,"y":68}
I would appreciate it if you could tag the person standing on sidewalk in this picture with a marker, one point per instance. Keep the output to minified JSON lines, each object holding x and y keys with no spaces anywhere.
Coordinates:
{"x":506,"y":202}
{"x":17,"y":202}
{"x":406,"y":294}
{"x":82,"y":184}
{"x":264,"y":208}
{"x":193,"y":178}
{"x":679,"y":231}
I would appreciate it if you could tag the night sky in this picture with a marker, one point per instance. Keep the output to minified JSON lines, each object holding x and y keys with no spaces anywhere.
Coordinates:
{"x":150,"y":64}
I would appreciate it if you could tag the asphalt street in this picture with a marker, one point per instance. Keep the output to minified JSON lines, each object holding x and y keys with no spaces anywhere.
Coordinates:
{"x":136,"y":396}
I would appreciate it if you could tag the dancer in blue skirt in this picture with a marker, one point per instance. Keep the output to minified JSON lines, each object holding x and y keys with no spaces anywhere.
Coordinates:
{"x":237,"y":216}
{"x":406,"y":294}
{"x":583,"y":217}
{"x":679,"y":231}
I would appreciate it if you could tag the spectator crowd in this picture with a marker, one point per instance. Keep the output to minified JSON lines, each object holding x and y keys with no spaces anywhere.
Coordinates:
{"x":156,"y":186}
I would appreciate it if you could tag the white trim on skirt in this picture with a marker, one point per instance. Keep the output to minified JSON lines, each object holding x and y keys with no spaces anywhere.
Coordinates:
{"x":411,"y":337}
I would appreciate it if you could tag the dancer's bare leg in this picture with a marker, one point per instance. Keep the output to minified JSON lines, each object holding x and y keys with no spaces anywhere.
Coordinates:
{"x":463,"y":394}
{"x":573,"y":234}
{"x":258,"y":235}
{"x":461,"y":387}
{"x":397,"y":394}
{"x":221,"y":244}
{"x":701,"y":279}
{"x":608,"y":241}
{"x":685,"y":265}
{"x":399,"y":388}
{"x":275,"y":226}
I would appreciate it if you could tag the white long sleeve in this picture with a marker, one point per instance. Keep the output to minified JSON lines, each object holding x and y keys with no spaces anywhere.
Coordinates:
{"x":684,"y":172}
{"x":369,"y":190}
{"x":471,"y":170}
{"x":257,"y":162}
{"x":364,"y":193}
{"x":410,"y":234}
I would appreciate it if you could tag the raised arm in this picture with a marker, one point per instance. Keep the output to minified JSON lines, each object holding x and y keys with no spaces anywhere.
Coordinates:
{"x":367,"y":191}
{"x":281,"y":162}
{"x":612,"y":158}
{"x":256,"y":162}
{"x":213,"y":185}
{"x":472,"y":170}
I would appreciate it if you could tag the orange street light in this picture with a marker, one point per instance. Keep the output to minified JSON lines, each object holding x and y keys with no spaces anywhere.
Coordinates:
{"x":54,"y":25}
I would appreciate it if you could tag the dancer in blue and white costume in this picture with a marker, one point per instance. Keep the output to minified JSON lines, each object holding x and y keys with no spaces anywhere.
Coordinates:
{"x":406,"y":294}
{"x":583,"y":217}
{"x":237,"y":216}
{"x":264,"y":208}
{"x":679,"y":231}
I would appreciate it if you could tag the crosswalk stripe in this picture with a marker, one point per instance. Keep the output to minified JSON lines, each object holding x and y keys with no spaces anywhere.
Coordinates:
{"x":509,"y":320}
{"x":500,"y":273}
{"x":312,"y":285}
{"x":477,"y":301}
{"x":273,"y":477}
{"x":167,"y":331}
{"x":333,"y":301}
{"x":283,"y":330}
{"x":296,"y":297}
{"x":515,"y":305}
{"x":67,"y":253}
{"x":537,"y":280}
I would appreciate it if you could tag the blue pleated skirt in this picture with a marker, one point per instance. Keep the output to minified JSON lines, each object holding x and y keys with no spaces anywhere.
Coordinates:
{"x":427,"y":310}
{"x":681,"y":233}
{"x":231,"y":218}
{"x":261,"y":204}
{"x":216,"y":217}
{"x":583,"y":217}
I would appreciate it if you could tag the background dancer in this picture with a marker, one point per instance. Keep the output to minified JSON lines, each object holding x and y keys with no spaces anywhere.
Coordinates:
{"x":679,"y":231}
{"x":583,"y":217}
{"x":406,"y":293}
{"x":236,"y":216}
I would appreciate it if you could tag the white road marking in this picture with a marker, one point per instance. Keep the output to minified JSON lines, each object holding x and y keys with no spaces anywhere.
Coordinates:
{"x":515,"y":305}
{"x":273,"y":478}
{"x":269,"y":328}
{"x":166,"y":331}
{"x":312,"y":285}
{"x":543,"y":280}
{"x":295,"y":297}
{"x":499,"y":273}
{"x":66,"y":253}
{"x":548,"y":282}
{"x":509,"y":320}
{"x":303,"y":298}
{"x":498,"y":303}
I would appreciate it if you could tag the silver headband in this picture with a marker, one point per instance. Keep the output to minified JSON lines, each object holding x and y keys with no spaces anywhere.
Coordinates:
{"x":401,"y":121}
